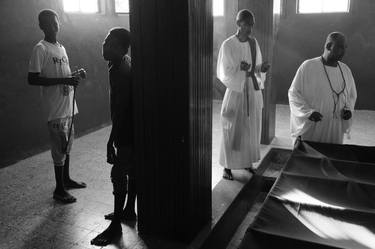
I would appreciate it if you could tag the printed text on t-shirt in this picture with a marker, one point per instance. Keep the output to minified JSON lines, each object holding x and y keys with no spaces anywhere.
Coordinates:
{"x":63,"y":59}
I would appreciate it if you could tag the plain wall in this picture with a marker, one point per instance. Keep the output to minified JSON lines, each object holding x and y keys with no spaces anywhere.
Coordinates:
{"x":302,"y":36}
{"x":23,"y":130}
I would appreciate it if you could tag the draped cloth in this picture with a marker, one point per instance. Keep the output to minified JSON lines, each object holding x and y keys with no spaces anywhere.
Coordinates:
{"x":324,"y":197}
{"x":311,"y":91}
{"x":241,"y":121}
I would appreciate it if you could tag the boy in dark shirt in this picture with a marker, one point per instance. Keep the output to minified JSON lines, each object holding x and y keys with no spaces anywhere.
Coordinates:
{"x":120,"y":143}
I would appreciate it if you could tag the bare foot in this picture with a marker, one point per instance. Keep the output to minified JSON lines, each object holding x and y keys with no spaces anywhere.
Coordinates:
{"x":109,"y":236}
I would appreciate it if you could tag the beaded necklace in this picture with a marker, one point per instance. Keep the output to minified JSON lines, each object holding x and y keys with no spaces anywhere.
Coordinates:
{"x":335,"y":95}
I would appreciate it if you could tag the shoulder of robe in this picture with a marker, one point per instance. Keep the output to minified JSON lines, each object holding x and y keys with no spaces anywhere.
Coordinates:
{"x":303,"y":65}
{"x":255,"y":39}
{"x":307,"y":64}
{"x":229,"y":42}
{"x":344,"y":66}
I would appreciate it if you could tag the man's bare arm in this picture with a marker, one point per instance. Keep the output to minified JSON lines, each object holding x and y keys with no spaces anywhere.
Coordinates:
{"x":34,"y":79}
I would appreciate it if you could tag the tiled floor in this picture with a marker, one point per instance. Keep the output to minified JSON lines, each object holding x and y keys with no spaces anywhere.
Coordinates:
{"x":31,"y":219}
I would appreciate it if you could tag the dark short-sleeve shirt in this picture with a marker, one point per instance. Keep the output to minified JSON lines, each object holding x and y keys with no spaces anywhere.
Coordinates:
{"x":120,"y":79}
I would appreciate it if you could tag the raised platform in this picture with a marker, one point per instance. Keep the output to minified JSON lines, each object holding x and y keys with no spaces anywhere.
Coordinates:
{"x":323,"y":198}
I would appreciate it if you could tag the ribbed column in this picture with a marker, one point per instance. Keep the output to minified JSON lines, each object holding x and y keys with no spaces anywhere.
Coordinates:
{"x":172,"y":63}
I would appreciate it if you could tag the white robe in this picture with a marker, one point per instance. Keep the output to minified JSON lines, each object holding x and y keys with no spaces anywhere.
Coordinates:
{"x":310,"y":91}
{"x":240,"y":145}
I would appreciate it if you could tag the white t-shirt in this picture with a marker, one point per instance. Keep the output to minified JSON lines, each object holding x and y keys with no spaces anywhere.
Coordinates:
{"x":51,"y":61}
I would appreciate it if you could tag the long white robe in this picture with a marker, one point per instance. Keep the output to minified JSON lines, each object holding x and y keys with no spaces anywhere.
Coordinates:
{"x":240,"y":145}
{"x":310,"y":91}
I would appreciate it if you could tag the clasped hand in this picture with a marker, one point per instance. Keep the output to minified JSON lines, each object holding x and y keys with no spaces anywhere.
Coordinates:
{"x":244,"y":66}
{"x":73,"y":81}
{"x":316,"y":117}
{"x":265,"y":66}
{"x":76,"y":77}
{"x":346,"y":114}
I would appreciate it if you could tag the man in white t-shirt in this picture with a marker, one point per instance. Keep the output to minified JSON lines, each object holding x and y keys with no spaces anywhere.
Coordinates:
{"x":49,"y":69}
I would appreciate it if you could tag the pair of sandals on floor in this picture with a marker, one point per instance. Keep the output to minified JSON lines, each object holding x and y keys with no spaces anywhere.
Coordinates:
{"x":65,"y":197}
{"x":227,"y":173}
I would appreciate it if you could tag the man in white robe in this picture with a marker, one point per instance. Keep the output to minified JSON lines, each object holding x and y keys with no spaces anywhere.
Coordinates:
{"x":322,"y":95}
{"x":241,"y":112}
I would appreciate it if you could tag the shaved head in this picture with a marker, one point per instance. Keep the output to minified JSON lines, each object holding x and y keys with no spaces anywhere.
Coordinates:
{"x":335,"y":47}
{"x":245,"y":15}
{"x":335,"y":37}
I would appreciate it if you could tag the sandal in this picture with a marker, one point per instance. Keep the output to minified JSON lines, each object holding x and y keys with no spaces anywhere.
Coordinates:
{"x":227,"y":174}
{"x":70,"y":184}
{"x":64,"y":198}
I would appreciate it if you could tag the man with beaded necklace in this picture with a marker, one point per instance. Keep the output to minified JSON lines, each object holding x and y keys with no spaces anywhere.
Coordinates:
{"x":322,"y":95}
